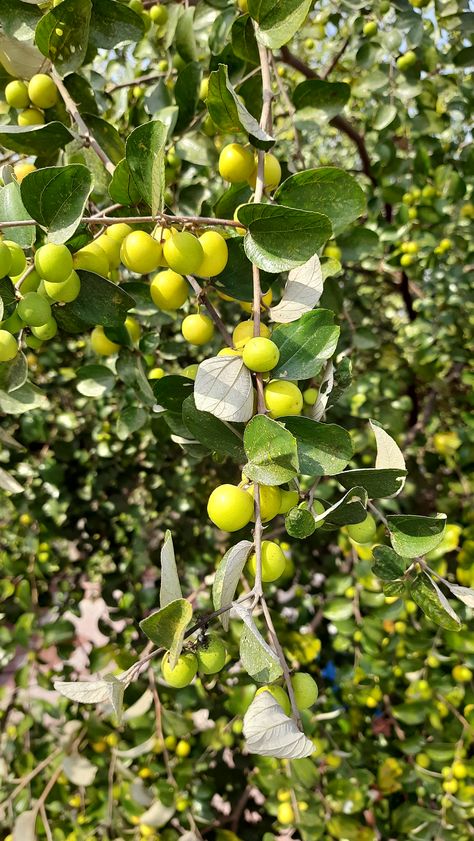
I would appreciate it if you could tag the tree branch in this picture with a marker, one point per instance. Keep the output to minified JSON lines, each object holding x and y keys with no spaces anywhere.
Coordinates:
{"x":203,"y":296}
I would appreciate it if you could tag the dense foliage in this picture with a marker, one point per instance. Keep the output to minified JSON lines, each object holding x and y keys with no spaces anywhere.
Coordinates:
{"x":348,"y":194}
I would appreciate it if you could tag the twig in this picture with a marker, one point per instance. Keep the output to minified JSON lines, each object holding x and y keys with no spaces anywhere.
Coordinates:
{"x":291,"y":112}
{"x":148,"y":77}
{"x":82,"y":126}
{"x":160,"y":219}
{"x":281,"y":656}
{"x":37,"y":770}
{"x":336,"y":58}
{"x":203,"y":296}
{"x":159,"y":728}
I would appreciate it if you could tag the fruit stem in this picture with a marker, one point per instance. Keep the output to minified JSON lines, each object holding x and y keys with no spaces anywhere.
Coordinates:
{"x":203,"y":297}
{"x":282,"y":659}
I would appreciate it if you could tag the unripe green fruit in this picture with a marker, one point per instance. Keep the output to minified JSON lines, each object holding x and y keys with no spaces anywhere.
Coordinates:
{"x":183,"y":252}
{"x":270,"y":501}
{"x":363,"y":532}
{"x":190,"y":371}
{"x":101,"y":344}
{"x":211,"y":655}
{"x":279,"y":694}
{"x":184,"y":671}
{"x":261,"y":354}
{"x":370,"y":29}
{"x":54,"y":263}
{"x":197,"y":329}
{"x":407,"y":60}
{"x":33,"y":342}
{"x":305,"y":689}
{"x":13,"y":324}
{"x":42,"y":91}
{"x":16,"y":94}
{"x":236,"y":163}
{"x":5,"y":259}
{"x":273,"y":561}
{"x":215,"y":254}
{"x":66,"y":291}
{"x":288,"y":501}
{"x":46,"y":331}
{"x":168,"y":290}
{"x":230,"y":508}
{"x":283,"y":398}
{"x":159,"y":14}
{"x":140,"y":252}
{"x":34,"y":310}
{"x":18,"y":259}
{"x":8,"y":346}
{"x":31,"y":117}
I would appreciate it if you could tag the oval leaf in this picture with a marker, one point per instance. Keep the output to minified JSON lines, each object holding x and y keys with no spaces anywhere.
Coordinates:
{"x":166,"y":627}
{"x":412,"y":535}
{"x":271,"y":451}
{"x":227,"y":577}
{"x":327,"y":190}
{"x":223,"y":387}
{"x":302,"y":292}
{"x":269,"y":732}
{"x":170,"y":588}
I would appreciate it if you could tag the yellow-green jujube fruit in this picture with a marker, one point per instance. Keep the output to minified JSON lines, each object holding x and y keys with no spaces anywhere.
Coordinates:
{"x":133,"y":328}
{"x":18,"y":259}
{"x":54,"y":263}
{"x":101,"y":344}
{"x":190,"y":371}
{"x":310,"y":395}
{"x":236,"y":163}
{"x":169,"y":290}
{"x":244,"y":332}
{"x":31,"y":117}
{"x":34,"y":310}
{"x":260,"y":354}
{"x":183,"y":749}
{"x":271,"y":172}
{"x":285,"y":814}
{"x":46,"y":331}
{"x":197,"y":329}
{"x":156,"y":373}
{"x":159,"y":14}
{"x":204,"y":88}
{"x":283,"y":398}
{"x":184,"y":671}
{"x":211,"y":655}
{"x":273,"y":561}
{"x":318,"y":508}
{"x":31,"y":282}
{"x":42,"y":91}
{"x":229,"y":351}
{"x":183,"y":252}
{"x":305,"y":690}
{"x":230,"y":508}
{"x":111,"y":249}
{"x":118,"y":231}
{"x":92,"y":258}
{"x":140,"y":252}
{"x":288,"y":500}
{"x":22,"y":169}
{"x":461,"y":674}
{"x":16,"y":94}
{"x":267,"y":299}
{"x":279,"y":694}
{"x":8,"y":346}
{"x":270,"y":501}
{"x":66,"y":291}
{"x":13,"y":324}
{"x":215,"y":254}
{"x":5,"y":259}
{"x":363,"y":532}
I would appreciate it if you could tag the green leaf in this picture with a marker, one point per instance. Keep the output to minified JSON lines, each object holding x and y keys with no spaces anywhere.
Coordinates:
{"x":171,"y":391}
{"x":244,"y":43}
{"x":185,"y":41}
{"x":19,"y":19}
{"x":300,"y":523}
{"x":351,"y":508}
{"x":170,"y":588}
{"x":278,"y":22}
{"x":411,"y":713}
{"x":145,"y":154}
{"x":56,"y":197}
{"x":236,"y":279}
{"x":282,"y":238}
{"x":22,"y":400}
{"x":433,"y":603}
{"x":323,"y":448}
{"x":327,"y":190}
{"x":131,"y":372}
{"x":186,"y":91}
{"x":94,"y":380}
{"x":271,"y":452}
{"x":113,"y":23}
{"x":11,"y":209}
{"x":122,"y":187}
{"x":9,"y":484}
{"x":13,"y":374}
{"x":62,"y":34}
{"x":302,"y":292}
{"x":357,"y":243}
{"x":305,"y":344}
{"x":228,"y":113}
{"x":166,"y":627}
{"x":378,"y":483}
{"x":385,"y":115}
{"x":217,"y":436}
{"x":223,"y":387}
{"x":8,"y":296}
{"x":131,"y":419}
{"x":325,"y":96}
{"x":227,"y":577}
{"x":35,"y":140}
{"x":258,"y":659}
{"x":98,"y":302}
{"x":412,"y":535}
{"x":107,"y":136}
{"x":387,"y":564}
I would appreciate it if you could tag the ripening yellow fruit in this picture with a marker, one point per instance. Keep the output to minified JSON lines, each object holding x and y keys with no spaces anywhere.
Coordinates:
{"x":8,"y":346}
{"x":140,"y":252}
{"x":461,"y":674}
{"x":310,"y":395}
{"x":31,"y":117}
{"x":183,"y":749}
{"x":133,"y":328}
{"x":271,"y":173}
{"x":260,"y":354}
{"x":285,"y":814}
{"x":156,"y":373}
{"x":101,"y":344}
{"x":270,"y":501}
{"x":283,"y":398}
{"x":273,"y":561}
{"x":16,"y":94}
{"x":215,"y":254}
{"x":22,"y":169}
{"x":42,"y":91}
{"x":229,"y":351}
{"x":280,"y":696}
{"x":244,"y":331}
{"x":236,"y":163}
{"x":183,"y":252}
{"x":230,"y":508}
{"x":197,"y":329}
{"x":288,"y":501}
{"x":118,"y":231}
{"x":168,"y":290}
{"x":92,"y":258}
{"x":111,"y":249}
{"x":267,"y":299}
{"x":66,"y":291}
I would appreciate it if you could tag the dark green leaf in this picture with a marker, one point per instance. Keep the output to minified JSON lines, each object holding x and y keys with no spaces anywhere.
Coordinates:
{"x":8,"y":296}
{"x":278,"y":22}
{"x":166,"y":627}
{"x":221,"y":27}
{"x":271,"y":452}
{"x":323,"y":448}
{"x":281,"y":238}
{"x":299,"y":523}
{"x":13,"y":374}
{"x":236,"y":279}
{"x":381,"y":483}
{"x":357,"y":243}
{"x":305,"y":344}
{"x":186,"y":91}
{"x":325,"y":96}
{"x":228,"y":113}
{"x":412,"y":535}
{"x":107,"y":137}
{"x":244,"y":43}
{"x":351,"y":508}
{"x":19,"y":19}
{"x":56,"y":197}
{"x":131,"y":372}
{"x":22,"y":400}
{"x":11,"y":209}
{"x":98,"y":302}
{"x":35,"y":140}
{"x":171,"y":392}
{"x":62,"y":34}
{"x":433,"y":603}
{"x":145,"y":153}
{"x":112,"y":23}
{"x":131,"y":420}
{"x":185,"y":41}
{"x":227,"y":577}
{"x":327,"y":190}
{"x":94,"y":380}
{"x":216,"y":435}
{"x":387,"y":564}
{"x":122,"y":187}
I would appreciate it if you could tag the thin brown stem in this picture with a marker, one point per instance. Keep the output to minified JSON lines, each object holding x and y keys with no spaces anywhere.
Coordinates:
{"x":161,"y":219}
{"x":140,"y":80}
{"x":284,"y":665}
{"x":204,"y":298}
{"x":159,"y":727}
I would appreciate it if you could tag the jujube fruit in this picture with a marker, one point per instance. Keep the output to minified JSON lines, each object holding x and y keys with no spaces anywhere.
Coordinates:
{"x":8,"y":346}
{"x":54,"y":262}
{"x":140,"y":252}
{"x":230,"y":508}
{"x":279,"y":695}
{"x":260,"y":354}
{"x":215,"y":254}
{"x":283,"y":398}
{"x":101,"y":344}
{"x":305,"y":690}
{"x":34,"y":310}
{"x":42,"y":91}
{"x":273,"y":561}
{"x":183,"y":252}
{"x":211,"y":655}
{"x":197,"y":329}
{"x":169,"y":290}
{"x":363,"y":532}
{"x":236,"y":163}
{"x":184,"y":671}
{"x":16,"y":94}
